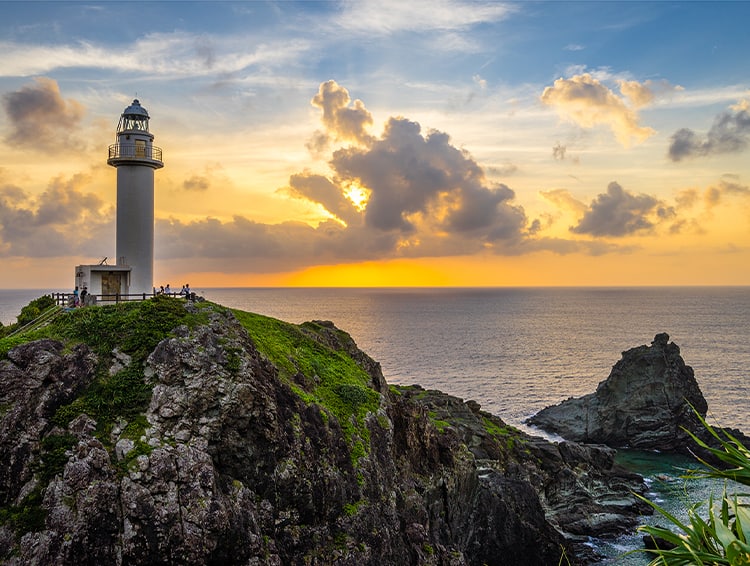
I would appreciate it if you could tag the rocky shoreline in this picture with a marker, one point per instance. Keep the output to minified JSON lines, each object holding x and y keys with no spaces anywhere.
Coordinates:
{"x":227,"y":438}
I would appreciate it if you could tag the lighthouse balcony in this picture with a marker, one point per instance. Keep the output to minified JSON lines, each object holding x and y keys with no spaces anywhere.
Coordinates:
{"x":120,"y":153}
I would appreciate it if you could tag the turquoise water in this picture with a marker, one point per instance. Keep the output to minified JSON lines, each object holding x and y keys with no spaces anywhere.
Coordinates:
{"x":669,"y":488}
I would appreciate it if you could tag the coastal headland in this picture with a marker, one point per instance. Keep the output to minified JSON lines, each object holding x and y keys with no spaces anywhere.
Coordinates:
{"x":172,"y":431}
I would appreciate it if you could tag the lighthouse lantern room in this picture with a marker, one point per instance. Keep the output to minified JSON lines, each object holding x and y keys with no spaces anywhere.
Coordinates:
{"x":135,"y":158}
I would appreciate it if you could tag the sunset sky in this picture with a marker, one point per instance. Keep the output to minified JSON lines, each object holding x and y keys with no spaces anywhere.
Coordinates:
{"x":384,"y":142}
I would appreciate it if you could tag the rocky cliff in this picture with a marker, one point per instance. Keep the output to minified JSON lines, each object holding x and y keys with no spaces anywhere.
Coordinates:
{"x":167,"y":432}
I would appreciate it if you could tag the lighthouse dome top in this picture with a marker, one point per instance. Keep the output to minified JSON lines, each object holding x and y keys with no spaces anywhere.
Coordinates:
{"x":136,"y":109}
{"x":134,"y":117}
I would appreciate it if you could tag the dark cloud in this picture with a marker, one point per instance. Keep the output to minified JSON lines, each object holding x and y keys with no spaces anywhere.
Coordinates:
{"x":734,"y":188}
{"x":558,"y":152}
{"x":729,"y":133}
{"x":414,"y":179}
{"x":196,"y":183}
{"x":256,"y":247}
{"x":621,"y":213}
{"x":504,"y":170}
{"x":62,"y":221}
{"x":41,"y":119}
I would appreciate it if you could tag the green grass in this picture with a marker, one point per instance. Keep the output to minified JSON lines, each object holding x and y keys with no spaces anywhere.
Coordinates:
{"x":332,"y":378}
{"x":439,"y":424}
{"x":507,"y":435}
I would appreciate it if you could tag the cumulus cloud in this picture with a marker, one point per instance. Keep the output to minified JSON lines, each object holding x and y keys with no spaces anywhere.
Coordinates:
{"x":343,"y":119}
{"x":418,"y":196}
{"x":729,"y":133}
{"x":587,"y":102}
{"x":621,"y":213}
{"x":414,"y":176}
{"x":41,"y":118}
{"x":64,"y":220}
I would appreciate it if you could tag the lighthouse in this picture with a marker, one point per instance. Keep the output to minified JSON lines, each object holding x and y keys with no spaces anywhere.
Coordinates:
{"x":136,"y":159}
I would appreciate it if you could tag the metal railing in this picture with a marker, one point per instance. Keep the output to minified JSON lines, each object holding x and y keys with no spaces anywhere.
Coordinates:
{"x":66,"y":299}
{"x":42,"y":320}
{"x":133,"y":151}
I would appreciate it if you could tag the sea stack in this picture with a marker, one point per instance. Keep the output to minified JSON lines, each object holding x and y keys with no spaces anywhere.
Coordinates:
{"x":646,"y":403}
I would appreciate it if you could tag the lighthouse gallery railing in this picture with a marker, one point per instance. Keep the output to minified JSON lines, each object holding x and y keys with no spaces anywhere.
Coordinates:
{"x":118,"y":150}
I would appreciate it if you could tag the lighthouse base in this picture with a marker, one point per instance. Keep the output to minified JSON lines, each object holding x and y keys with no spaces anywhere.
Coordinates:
{"x":106,"y":282}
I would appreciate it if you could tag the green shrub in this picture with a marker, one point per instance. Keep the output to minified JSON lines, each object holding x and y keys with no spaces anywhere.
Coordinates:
{"x":34,"y":309}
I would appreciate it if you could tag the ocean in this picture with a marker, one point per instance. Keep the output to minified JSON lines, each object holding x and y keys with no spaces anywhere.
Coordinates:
{"x":517,"y":350}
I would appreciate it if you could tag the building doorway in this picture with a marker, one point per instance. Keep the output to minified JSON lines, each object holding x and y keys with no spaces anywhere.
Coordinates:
{"x":111,"y":283}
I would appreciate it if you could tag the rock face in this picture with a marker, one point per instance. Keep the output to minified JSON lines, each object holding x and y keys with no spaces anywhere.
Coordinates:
{"x":232,"y":463}
{"x":643,"y":404}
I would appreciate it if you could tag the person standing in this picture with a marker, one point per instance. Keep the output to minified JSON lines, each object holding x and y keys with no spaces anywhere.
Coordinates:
{"x":75,"y":296}
{"x":84,"y":292}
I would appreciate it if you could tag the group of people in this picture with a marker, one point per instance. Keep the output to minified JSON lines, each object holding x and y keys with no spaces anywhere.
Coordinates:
{"x":79,"y":297}
{"x":184,"y":292}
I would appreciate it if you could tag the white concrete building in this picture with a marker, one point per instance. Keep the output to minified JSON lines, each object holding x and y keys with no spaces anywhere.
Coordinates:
{"x":136,"y":159}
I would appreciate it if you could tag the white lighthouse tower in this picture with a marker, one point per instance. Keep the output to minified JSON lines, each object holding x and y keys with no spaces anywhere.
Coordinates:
{"x":136,"y":159}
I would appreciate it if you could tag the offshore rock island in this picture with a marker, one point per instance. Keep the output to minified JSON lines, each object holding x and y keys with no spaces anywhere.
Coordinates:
{"x":650,"y":401}
{"x":174,"y":432}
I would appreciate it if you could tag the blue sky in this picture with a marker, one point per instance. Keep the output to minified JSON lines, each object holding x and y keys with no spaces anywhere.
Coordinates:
{"x":586,"y":136}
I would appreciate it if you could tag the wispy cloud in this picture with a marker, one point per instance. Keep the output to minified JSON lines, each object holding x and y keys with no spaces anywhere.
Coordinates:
{"x":394,"y":16}
{"x":175,"y":54}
